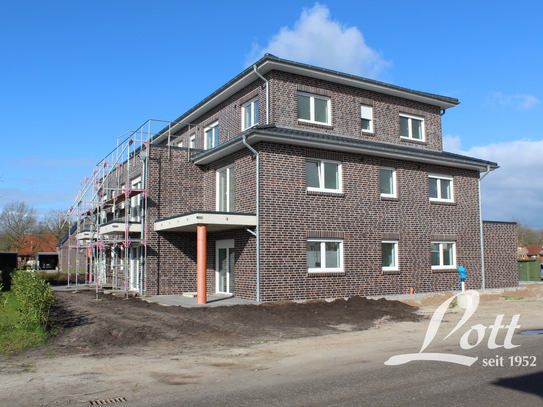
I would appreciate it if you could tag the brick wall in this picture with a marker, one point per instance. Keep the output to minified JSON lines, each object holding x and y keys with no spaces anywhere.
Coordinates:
{"x":346,"y":102}
{"x":500,"y":253}
{"x":289,"y":213}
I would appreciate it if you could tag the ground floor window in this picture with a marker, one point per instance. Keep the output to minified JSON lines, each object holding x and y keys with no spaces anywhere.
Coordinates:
{"x":324,"y":255}
{"x":443,"y":255}
{"x":389,"y":251}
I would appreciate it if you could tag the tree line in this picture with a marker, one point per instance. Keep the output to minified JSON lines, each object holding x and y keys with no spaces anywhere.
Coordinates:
{"x":18,"y":219}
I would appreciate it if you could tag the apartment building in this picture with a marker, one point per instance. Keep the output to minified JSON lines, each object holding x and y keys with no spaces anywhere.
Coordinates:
{"x":294,"y":182}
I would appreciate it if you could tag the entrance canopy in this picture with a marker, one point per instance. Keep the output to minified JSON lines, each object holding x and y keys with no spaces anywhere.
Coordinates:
{"x":215,"y":221}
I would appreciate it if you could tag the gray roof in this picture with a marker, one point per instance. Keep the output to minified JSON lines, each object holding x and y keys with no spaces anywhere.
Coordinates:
{"x":341,"y":143}
{"x":306,"y":69}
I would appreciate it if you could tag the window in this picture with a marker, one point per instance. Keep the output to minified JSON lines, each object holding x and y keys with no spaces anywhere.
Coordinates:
{"x":411,"y":127}
{"x":441,"y":188}
{"x":192,"y":141}
{"x":324,"y":176}
{"x":366,"y":113}
{"x":388,"y":182}
{"x":324,"y":255}
{"x":225,"y":189}
{"x":249,"y":113}
{"x":212,"y":136}
{"x":181,"y":144}
{"x":443,"y":255}
{"x":315,"y":109}
{"x":389,"y":252}
{"x":135,"y":201}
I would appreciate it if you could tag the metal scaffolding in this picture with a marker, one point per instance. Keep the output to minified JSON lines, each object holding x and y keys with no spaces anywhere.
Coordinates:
{"x":110,"y":213}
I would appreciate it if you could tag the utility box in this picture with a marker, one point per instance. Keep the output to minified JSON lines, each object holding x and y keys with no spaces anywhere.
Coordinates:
{"x":529,"y":270}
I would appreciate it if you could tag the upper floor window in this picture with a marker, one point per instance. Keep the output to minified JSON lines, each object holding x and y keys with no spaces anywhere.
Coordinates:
{"x":366,"y":113}
{"x":135,"y":201}
{"x":321,"y":175}
{"x":192,"y":143}
{"x":314,"y":109}
{"x":441,"y":188}
{"x":225,"y":189}
{"x":181,"y":143}
{"x":388,"y":182}
{"x":249,"y":112}
{"x":211,"y":134}
{"x":411,"y":127}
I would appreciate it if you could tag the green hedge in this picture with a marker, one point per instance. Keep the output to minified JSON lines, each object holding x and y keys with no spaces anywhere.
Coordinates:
{"x":35,"y":296}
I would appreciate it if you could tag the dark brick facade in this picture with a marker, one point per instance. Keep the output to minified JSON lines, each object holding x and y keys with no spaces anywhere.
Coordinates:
{"x":290,"y":214}
{"x":500,"y":253}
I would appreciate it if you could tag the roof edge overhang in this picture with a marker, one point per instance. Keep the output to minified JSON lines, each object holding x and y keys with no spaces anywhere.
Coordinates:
{"x":343,"y":145}
{"x":270,"y":62}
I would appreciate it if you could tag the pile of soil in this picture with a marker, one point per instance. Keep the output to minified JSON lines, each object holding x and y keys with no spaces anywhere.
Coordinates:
{"x":111,"y":324}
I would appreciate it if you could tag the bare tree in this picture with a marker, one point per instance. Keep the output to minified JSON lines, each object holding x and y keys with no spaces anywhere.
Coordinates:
{"x":527,"y":235}
{"x":53,"y":224}
{"x":16,"y":221}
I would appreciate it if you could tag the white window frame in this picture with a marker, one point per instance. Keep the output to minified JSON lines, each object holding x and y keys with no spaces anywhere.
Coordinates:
{"x":213,"y":127}
{"x":410,"y":128}
{"x":254,"y":115}
{"x":312,"y":108}
{"x":135,"y":201}
{"x":323,"y":268}
{"x":321,"y":187}
{"x":441,"y":265}
{"x":192,"y":143}
{"x":181,"y":143}
{"x":366,"y":113}
{"x":228,"y":191}
{"x":440,"y":177}
{"x":394,"y":193}
{"x":396,"y":265}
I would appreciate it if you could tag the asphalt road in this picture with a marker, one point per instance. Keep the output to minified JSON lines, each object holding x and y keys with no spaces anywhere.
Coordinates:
{"x":355,"y":378}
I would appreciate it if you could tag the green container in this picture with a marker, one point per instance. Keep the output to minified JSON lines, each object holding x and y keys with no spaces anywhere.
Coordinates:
{"x":529,"y":270}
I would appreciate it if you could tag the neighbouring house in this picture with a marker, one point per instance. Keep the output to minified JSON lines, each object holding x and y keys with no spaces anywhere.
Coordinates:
{"x":522,"y":251}
{"x":534,"y":252}
{"x":38,"y":251}
{"x":293,"y":182}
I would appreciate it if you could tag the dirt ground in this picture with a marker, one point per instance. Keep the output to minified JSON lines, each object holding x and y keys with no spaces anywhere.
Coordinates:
{"x":112,"y":324}
{"x":116,"y":347}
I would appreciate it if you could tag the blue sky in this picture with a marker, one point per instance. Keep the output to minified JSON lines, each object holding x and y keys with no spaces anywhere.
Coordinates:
{"x":77,"y":74}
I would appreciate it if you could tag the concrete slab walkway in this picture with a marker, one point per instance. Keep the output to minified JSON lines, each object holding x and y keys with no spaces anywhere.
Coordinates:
{"x":213,"y":300}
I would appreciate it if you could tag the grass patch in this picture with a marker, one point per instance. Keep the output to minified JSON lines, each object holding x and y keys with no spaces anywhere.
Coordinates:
{"x":14,"y":335}
{"x":513,"y":298}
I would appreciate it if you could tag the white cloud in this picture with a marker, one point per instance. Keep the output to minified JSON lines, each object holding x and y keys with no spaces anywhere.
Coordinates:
{"x":517,"y":101}
{"x":452,"y":144}
{"x":318,"y":40}
{"x":515,"y":189}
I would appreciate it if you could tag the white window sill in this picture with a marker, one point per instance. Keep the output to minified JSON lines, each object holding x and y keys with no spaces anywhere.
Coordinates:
{"x":328,"y":191}
{"x":317,"y":123}
{"x":389,"y":196}
{"x":413,"y":139}
{"x":441,"y":200}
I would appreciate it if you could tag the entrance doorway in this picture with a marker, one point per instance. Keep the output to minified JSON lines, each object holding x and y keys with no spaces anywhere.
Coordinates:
{"x":135,"y":259}
{"x":224,"y":276}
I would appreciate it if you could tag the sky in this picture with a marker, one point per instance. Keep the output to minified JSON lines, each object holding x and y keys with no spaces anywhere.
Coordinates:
{"x":75,"y":75}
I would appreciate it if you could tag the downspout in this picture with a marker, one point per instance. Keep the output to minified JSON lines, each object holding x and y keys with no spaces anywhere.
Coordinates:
{"x":481,"y":229}
{"x":257,"y":216}
{"x":267,"y":99}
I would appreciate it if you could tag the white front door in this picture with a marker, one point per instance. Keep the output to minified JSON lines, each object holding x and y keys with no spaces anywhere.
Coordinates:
{"x":135,"y":255}
{"x":224,"y":275}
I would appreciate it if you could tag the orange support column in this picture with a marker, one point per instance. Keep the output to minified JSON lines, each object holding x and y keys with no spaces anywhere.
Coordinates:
{"x":201,"y":263}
